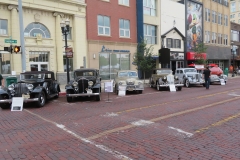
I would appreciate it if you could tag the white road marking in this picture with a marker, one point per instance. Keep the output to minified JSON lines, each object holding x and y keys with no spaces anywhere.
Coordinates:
{"x":233,"y":94}
{"x":102,"y":147}
{"x":110,"y":114}
{"x":141,"y":123}
{"x":181,"y":131}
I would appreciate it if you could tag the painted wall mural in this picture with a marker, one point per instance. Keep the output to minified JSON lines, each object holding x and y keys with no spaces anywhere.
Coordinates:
{"x":194,"y":24}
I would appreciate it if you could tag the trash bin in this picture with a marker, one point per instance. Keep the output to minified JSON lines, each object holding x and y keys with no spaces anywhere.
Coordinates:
{"x":226,"y":71}
{"x":11,"y":80}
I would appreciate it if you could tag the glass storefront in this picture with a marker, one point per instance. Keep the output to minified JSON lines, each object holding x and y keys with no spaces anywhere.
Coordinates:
{"x":111,"y":63}
{"x":38,"y":61}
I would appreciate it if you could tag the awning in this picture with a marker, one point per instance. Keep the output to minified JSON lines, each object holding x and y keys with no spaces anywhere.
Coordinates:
{"x":191,"y":56}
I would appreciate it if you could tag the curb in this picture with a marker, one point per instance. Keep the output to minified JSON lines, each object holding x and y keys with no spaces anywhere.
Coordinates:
{"x":62,"y":94}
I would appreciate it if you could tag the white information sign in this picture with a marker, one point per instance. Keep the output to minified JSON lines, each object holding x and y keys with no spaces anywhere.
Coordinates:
{"x":222,"y":81}
{"x":122,"y":90}
{"x":108,"y":86}
{"x":172,"y":88}
{"x":17,"y":104}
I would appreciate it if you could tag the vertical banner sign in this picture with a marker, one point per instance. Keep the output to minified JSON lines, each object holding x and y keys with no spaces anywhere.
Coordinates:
{"x":69,"y":52}
{"x":194,"y":24}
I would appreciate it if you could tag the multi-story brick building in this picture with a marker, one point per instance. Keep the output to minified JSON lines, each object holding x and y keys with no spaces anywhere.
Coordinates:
{"x":111,"y":35}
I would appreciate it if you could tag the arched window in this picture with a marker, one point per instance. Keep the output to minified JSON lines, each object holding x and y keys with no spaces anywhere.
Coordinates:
{"x":33,"y":29}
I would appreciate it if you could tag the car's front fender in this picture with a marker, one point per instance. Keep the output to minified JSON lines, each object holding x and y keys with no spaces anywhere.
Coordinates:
{"x":68,"y":86}
{"x":97,"y":85}
{"x":38,"y":89}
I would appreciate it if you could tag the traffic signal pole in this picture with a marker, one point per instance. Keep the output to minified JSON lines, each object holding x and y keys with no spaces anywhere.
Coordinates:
{"x":22,"y":35}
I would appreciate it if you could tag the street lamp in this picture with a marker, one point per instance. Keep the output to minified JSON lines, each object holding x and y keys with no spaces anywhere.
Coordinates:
{"x":65,"y":31}
{"x":232,"y":50}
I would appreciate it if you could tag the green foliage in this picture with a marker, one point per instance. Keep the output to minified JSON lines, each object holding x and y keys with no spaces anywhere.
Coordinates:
{"x":143,"y":57}
{"x":199,"y":49}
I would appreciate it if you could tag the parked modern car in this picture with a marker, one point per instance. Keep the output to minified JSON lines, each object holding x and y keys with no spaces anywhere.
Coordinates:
{"x":163,"y":78}
{"x":190,"y":76}
{"x":128,"y":79}
{"x":86,"y":83}
{"x":34,"y":86}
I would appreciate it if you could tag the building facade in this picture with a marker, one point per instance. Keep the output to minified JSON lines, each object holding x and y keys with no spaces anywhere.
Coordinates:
{"x":44,"y":42}
{"x":235,"y":45}
{"x":235,"y":11}
{"x":111,"y":35}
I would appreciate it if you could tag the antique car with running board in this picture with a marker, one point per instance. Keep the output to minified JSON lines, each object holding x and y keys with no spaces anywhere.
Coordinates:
{"x":34,"y":86}
{"x":86,"y":83}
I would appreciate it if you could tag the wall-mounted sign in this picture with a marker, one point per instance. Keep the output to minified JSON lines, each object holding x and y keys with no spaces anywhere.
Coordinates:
{"x":176,"y":56}
{"x":109,"y":50}
{"x":69,"y":52}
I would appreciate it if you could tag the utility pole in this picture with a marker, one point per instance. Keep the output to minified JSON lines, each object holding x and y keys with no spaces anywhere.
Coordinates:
{"x":22,"y":41}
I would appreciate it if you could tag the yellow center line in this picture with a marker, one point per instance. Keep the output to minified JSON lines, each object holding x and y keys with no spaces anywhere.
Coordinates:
{"x":162,"y":117}
{"x":160,"y":104}
{"x":218,"y":123}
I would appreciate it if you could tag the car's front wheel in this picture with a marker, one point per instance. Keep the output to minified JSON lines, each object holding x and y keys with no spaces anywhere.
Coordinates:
{"x":187,"y":83}
{"x":69,"y":99}
{"x":41,"y":99}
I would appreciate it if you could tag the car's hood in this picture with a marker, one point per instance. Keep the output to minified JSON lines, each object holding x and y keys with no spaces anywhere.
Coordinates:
{"x":191,"y":73}
{"x":90,"y":78}
{"x":127,"y":79}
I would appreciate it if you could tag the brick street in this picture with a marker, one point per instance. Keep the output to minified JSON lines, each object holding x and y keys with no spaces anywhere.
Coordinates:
{"x":194,"y":123}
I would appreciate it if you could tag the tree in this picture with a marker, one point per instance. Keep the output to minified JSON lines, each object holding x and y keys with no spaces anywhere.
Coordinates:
{"x":143,"y":58}
{"x":199,"y":50}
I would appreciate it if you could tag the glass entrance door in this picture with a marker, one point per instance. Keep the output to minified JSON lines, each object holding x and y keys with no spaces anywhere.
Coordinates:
{"x":179,"y":64}
{"x":38,"y":66}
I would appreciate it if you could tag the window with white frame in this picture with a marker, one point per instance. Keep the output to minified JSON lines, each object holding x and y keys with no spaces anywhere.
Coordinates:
{"x":3,"y":27}
{"x":214,"y":38}
{"x":34,"y":29}
{"x":233,"y":7}
{"x":173,"y":43}
{"x":207,"y":36}
{"x":150,"y":33}
{"x":225,"y":20}
{"x":225,"y":41}
{"x":214,"y":16}
{"x":124,"y":2}
{"x":207,"y":15}
{"x":149,"y":7}
{"x":219,"y":38}
{"x":219,"y":18}
{"x":177,"y":43}
{"x":103,"y":25}
{"x":124,"y":28}
{"x":234,"y":35}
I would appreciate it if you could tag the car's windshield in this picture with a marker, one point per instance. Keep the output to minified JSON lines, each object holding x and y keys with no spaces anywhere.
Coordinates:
{"x":84,"y":73}
{"x":127,"y":74}
{"x":31,"y":76}
{"x":164,"y":71}
{"x":190,"y":70}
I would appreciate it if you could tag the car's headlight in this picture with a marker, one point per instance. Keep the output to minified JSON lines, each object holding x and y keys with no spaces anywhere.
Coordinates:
{"x":74,"y":84}
{"x":176,"y":77}
{"x":164,"y":78}
{"x":30,"y":86}
{"x":10,"y":87}
{"x":139,"y":83}
{"x":90,"y":83}
{"x":120,"y":83}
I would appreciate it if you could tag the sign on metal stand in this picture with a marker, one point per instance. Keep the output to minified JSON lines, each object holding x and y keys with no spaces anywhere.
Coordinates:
{"x":172,"y":88}
{"x":122,"y":90}
{"x":108,"y":87}
{"x":222,"y":81}
{"x":17,"y":104}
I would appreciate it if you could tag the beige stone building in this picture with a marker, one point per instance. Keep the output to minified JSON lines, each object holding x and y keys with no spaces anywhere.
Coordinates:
{"x":44,"y":41}
{"x":235,"y":11}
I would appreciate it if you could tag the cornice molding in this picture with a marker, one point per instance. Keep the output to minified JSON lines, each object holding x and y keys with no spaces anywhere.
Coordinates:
{"x":79,"y":16}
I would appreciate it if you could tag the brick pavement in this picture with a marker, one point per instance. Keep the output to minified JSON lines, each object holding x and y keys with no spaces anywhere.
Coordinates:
{"x":63,"y":131}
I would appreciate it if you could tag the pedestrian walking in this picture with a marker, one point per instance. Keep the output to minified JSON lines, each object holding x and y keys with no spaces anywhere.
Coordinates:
{"x":1,"y":81}
{"x":207,"y":74}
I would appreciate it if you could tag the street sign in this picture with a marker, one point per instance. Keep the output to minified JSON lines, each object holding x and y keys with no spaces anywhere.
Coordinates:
{"x":10,"y":41}
{"x":69,"y":52}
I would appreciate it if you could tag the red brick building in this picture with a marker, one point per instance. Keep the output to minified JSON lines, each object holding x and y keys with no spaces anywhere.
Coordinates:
{"x":111,"y":35}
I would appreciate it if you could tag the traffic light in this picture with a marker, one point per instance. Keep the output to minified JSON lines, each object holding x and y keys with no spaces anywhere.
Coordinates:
{"x":16,"y":49}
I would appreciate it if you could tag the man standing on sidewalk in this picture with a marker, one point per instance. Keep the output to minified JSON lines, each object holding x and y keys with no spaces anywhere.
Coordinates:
{"x":1,"y":81}
{"x":207,"y":74}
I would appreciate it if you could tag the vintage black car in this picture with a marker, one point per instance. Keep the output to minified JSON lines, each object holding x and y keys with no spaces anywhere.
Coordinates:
{"x":86,"y":83}
{"x":34,"y":86}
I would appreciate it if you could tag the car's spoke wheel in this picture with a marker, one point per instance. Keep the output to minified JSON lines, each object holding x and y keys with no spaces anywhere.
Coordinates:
{"x":41,"y":99}
{"x":187,"y":84}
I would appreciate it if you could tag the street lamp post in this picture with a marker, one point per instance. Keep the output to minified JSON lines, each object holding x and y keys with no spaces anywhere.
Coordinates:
{"x":65,"y":31}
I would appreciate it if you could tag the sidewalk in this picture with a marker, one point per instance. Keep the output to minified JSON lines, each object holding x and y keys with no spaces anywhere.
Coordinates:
{"x":63,"y":91}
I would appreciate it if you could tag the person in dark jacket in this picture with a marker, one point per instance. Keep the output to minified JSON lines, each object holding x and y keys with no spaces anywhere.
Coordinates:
{"x":207,"y":74}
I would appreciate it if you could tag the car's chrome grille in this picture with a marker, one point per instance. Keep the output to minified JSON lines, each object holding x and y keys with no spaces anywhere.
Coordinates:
{"x":82,"y":85}
{"x":20,"y":88}
{"x":130,"y":83}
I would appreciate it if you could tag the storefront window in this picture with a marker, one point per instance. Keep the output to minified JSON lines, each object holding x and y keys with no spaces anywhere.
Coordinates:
{"x":35,"y":29}
{"x":111,"y":63}
{"x":70,"y":64}
{"x":5,"y":66}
